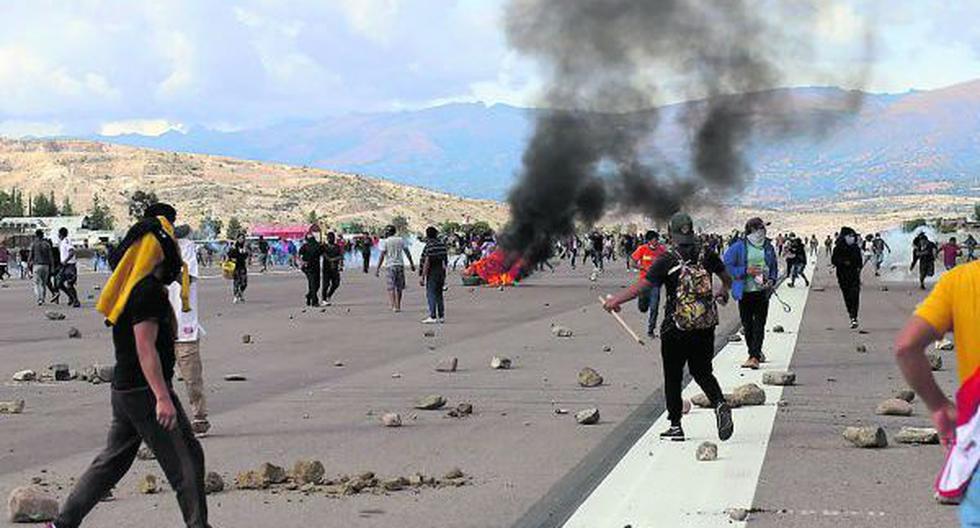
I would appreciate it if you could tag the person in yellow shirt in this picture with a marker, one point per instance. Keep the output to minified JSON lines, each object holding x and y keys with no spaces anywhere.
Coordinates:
{"x":952,"y":306}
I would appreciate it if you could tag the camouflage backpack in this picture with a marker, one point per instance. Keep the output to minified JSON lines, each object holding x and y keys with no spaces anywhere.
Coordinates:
{"x":695,"y":307}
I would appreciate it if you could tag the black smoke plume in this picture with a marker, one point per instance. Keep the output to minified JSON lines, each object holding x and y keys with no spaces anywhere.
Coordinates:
{"x":605,"y":62}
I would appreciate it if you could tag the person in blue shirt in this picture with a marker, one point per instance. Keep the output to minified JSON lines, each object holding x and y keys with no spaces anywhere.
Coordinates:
{"x":751,"y":261}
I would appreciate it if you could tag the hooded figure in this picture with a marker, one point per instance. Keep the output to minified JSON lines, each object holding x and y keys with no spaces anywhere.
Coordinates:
{"x":848,"y":261}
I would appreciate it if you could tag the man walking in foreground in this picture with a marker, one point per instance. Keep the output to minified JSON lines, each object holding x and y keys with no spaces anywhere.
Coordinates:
{"x":333,"y":263}
{"x":951,"y":307}
{"x":40,"y":263}
{"x":68,"y":272}
{"x":144,"y":406}
{"x":392,"y":249}
{"x":690,"y":316}
{"x":642,"y":259}
{"x":751,"y":261}
{"x":432,"y":273}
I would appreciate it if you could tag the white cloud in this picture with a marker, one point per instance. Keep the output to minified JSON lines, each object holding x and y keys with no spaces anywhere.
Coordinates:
{"x":839,"y":22}
{"x":143,"y":127}
{"x":30,"y":83}
{"x":374,"y":19}
{"x":178,"y":49}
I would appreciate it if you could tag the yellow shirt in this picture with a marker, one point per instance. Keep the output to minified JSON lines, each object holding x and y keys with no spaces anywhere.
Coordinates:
{"x":954,"y":305}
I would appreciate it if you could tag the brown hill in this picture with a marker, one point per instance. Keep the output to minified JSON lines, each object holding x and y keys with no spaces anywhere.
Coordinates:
{"x":223,"y":187}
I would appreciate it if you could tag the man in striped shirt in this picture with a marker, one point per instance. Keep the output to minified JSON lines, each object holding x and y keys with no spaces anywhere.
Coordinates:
{"x":433,"y":275}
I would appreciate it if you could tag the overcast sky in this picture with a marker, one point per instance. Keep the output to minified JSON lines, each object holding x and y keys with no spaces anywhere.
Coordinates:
{"x":116,"y":66}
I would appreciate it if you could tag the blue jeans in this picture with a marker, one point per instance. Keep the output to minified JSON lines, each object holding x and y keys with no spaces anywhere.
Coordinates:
{"x":433,"y":294}
{"x":654,"y":309}
{"x":970,"y":507}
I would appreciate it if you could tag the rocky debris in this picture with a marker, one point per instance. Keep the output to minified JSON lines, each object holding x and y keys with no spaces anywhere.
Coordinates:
{"x":701,"y":400}
{"x":391,"y":420}
{"x":246,"y":339}
{"x":429,"y":333}
{"x":461,"y":410}
{"x":588,"y":377}
{"x":778,"y":329}
{"x":737,"y":514}
{"x":394,"y":484}
{"x":453,"y":474}
{"x":12,"y":407}
{"x":894,"y":407}
{"x":707,"y":452}
{"x":74,"y":333}
{"x":587,"y":416}
{"x":561,"y":331}
{"x":250,"y":480}
{"x":273,"y":473}
{"x":778,"y":377}
{"x":748,"y":394}
{"x":54,"y":316}
{"x":871,"y":436}
{"x":861,"y":349}
{"x":213,"y":483}
{"x":396,"y":375}
{"x":917,"y":435}
{"x":338,"y":363}
{"x":430,"y":402}
{"x":448,"y":364}
{"x":500,"y":363}
{"x":945,"y":345}
{"x":235,"y":377}
{"x":25,"y":375}
{"x":735,"y":338}
{"x":307,"y":472}
{"x":148,"y":485}
{"x":561,"y":411}
{"x":607,"y":348}
{"x":935,"y":361}
{"x":145,"y":453}
{"x":100,"y":373}
{"x":31,"y":504}
{"x":61,"y":372}
{"x":905,"y":394}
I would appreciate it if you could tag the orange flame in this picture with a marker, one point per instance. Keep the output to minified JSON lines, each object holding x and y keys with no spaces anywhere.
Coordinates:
{"x":497,"y":269}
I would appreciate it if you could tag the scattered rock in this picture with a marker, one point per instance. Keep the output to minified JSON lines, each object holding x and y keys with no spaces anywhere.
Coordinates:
{"x":148,"y":485}
{"x":102,"y":373}
{"x":338,"y":363}
{"x":12,"y":407}
{"x":500,"y":363}
{"x":308,"y":472}
{"x":894,"y":407}
{"x":396,"y":375}
{"x":61,"y":372}
{"x":561,"y":411}
{"x":737,"y":514}
{"x":701,"y":400}
{"x":145,"y":453}
{"x":25,"y":375}
{"x":561,"y":331}
{"x":905,"y":394}
{"x":588,"y":377}
{"x":707,"y":452}
{"x":429,"y":333}
{"x":461,"y":410}
{"x":246,"y":339}
{"x":945,"y":345}
{"x":935,"y":361}
{"x":453,"y":474}
{"x":394,"y":484}
{"x":31,"y":504}
{"x":778,"y":377}
{"x":251,"y":480}
{"x":607,"y":348}
{"x":74,"y":333}
{"x":54,"y":316}
{"x":273,"y":473}
{"x":431,"y":402}
{"x":213,"y":483}
{"x":778,"y":329}
{"x":447,"y":365}
{"x":870,"y":436}
{"x":235,"y":377}
{"x":748,"y":394}
{"x":917,"y":435}
{"x":391,"y":420}
{"x":862,"y":349}
{"x":587,"y":416}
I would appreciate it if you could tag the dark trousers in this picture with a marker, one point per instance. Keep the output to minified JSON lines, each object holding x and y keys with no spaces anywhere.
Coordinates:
{"x":434,"y":294}
{"x":850,"y":288}
{"x":331,"y":281}
{"x":178,"y":453}
{"x":312,"y":286}
{"x":366,"y":257}
{"x":67,"y":277}
{"x":753,"y":309}
{"x":240,"y":281}
{"x":695,"y":349}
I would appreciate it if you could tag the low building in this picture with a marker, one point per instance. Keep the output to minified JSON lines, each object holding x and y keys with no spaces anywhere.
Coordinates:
{"x":16,"y":228}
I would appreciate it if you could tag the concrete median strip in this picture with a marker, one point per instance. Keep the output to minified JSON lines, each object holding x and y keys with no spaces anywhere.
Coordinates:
{"x":660,"y":483}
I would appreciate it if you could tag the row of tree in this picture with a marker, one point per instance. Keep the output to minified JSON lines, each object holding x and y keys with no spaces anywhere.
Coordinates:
{"x":12,"y":203}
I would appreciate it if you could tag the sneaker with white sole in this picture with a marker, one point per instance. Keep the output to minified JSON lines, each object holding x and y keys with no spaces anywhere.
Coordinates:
{"x":430,"y":320}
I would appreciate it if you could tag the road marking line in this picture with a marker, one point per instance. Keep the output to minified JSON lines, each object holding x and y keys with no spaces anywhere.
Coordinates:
{"x":659,"y":483}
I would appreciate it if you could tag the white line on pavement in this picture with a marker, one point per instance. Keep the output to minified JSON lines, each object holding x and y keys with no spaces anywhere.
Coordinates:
{"x":661,"y":483}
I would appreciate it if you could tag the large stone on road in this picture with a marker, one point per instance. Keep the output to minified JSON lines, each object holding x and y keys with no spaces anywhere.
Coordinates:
{"x":587,"y":416}
{"x":871,"y":436}
{"x":54,"y":316}
{"x":447,"y":365}
{"x":917,"y":435}
{"x":30,"y":504}
{"x":500,"y":363}
{"x":431,"y":402}
{"x":251,"y":480}
{"x":707,"y":452}
{"x":894,"y":407}
{"x":701,"y":400}
{"x":935,"y":360}
{"x":588,"y":377}
{"x":391,"y":420}
{"x":561,"y":331}
{"x":749,"y":394}
{"x":213,"y":483}
{"x":25,"y":375}
{"x":273,"y":473}
{"x":778,"y":377}
{"x":308,"y":472}
{"x":12,"y":407}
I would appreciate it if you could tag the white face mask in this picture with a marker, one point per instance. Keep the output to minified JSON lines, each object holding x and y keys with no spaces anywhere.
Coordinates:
{"x":757,"y":237}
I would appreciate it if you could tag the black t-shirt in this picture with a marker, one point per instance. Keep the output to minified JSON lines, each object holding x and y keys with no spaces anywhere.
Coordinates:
{"x":310,"y":254}
{"x":662,"y":272}
{"x":240,"y":256}
{"x":332,"y":257}
{"x":147,"y":302}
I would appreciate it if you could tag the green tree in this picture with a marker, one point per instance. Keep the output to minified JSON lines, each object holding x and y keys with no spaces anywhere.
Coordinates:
{"x":11,"y":203}
{"x":911,"y":225}
{"x":44,"y":206}
{"x":99,"y":216}
{"x":449,"y":227}
{"x":401,"y":224}
{"x":479,"y":228}
{"x":234,"y":228}
{"x":66,"y":207}
{"x":139,"y":201}
{"x":210,"y":228}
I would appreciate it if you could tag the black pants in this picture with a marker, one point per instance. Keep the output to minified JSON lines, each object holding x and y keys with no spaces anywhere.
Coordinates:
{"x":312,"y":286}
{"x":753,"y":309}
{"x":696,"y":349}
{"x":331,"y":281}
{"x":240,"y":282}
{"x":67,"y":277}
{"x":850,"y":288}
{"x":366,"y":257}
{"x":178,"y":453}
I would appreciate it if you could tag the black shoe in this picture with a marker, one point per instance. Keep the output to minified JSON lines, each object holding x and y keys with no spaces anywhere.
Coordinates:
{"x":723,"y":415}
{"x":675,"y":433}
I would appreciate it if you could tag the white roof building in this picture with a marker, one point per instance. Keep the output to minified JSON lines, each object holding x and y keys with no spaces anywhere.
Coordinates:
{"x":78,"y":231}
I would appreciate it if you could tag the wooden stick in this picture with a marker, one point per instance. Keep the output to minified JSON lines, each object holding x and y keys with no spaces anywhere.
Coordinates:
{"x":622,"y":323}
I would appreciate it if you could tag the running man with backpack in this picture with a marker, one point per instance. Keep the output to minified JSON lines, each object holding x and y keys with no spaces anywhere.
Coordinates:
{"x":687,"y":332}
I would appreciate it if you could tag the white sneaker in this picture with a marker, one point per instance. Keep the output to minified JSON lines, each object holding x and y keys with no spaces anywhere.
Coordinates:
{"x":324,"y":303}
{"x":234,"y":300}
{"x":430,"y":320}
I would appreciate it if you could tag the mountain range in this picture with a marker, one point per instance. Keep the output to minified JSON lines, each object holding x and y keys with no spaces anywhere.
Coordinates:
{"x":914,"y":142}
